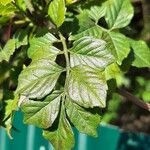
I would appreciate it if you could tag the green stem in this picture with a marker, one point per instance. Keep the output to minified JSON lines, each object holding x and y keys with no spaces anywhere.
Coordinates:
{"x":67,"y":62}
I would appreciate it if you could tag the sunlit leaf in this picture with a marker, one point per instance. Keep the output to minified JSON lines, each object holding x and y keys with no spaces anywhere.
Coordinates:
{"x":87,"y":86}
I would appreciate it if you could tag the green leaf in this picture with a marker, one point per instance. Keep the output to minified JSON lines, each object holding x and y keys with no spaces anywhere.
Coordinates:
{"x":97,"y":12}
{"x":84,"y":121}
{"x":62,"y":137}
{"x":42,"y":113}
{"x":11,"y":106}
{"x":5,"y":2}
{"x":38,"y":79}
{"x":112,"y":71}
{"x":42,"y":45}
{"x":8,"y":10}
{"x":69,"y":2}
{"x":21,"y":4}
{"x":56,"y":11}
{"x":46,"y":51}
{"x":118,"y":44}
{"x":84,"y":22}
{"x":141,"y":54}
{"x":94,"y":31}
{"x":91,"y":52}
{"x":119,"y":13}
{"x":87,"y":86}
{"x":8,"y":50}
{"x":21,"y":37}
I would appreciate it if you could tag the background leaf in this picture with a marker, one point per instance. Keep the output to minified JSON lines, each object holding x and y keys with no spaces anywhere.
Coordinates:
{"x":56,"y":11}
{"x":8,"y":50}
{"x":5,"y":2}
{"x":118,"y":44}
{"x":141,"y":54}
{"x":119,"y":13}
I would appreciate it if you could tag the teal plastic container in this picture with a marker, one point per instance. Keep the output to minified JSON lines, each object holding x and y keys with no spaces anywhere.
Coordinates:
{"x":110,"y":138}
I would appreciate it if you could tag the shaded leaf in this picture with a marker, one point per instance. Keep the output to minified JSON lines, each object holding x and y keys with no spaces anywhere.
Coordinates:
{"x":84,"y":22}
{"x":91,"y":52}
{"x":21,"y":38}
{"x":8,"y":50}
{"x":87,"y":86}
{"x":38,"y":79}
{"x":42,"y":113}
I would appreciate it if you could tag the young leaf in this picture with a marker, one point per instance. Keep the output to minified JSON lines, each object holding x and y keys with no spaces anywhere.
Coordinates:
{"x":91,"y":52}
{"x":40,"y":43}
{"x":8,"y":50}
{"x":57,"y":11}
{"x":119,"y":45}
{"x":83,"y":120}
{"x":87,"y":86}
{"x":38,"y":79}
{"x":94,"y":31}
{"x":61,"y":138}
{"x":119,"y":13}
{"x":42,"y":113}
{"x":141,"y":54}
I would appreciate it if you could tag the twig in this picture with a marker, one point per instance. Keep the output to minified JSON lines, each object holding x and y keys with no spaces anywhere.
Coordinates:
{"x":134,"y":99}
